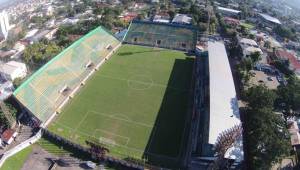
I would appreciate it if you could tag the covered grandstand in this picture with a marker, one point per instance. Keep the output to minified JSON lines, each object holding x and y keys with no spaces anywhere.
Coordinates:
{"x":50,"y":87}
{"x":163,"y":35}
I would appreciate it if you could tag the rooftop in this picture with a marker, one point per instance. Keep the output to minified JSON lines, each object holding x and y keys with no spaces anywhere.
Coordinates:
{"x":246,"y":41}
{"x":294,"y":63}
{"x":224,"y":111}
{"x":270,"y":18}
{"x":7,"y":135}
{"x":229,"y":10}
{"x":182,"y":18}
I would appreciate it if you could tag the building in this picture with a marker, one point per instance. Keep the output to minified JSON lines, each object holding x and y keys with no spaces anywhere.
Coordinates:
{"x":8,"y":136}
{"x":224,"y":113}
{"x":163,"y":18}
{"x":128,"y":16}
{"x":50,"y":35}
{"x":4,"y":24}
{"x":248,"y":47}
{"x":12,"y":70}
{"x":6,"y":89}
{"x":231,"y":21}
{"x":294,"y":132}
{"x":268,"y":21}
{"x":37,"y":37}
{"x":229,"y":12}
{"x":182,"y":19}
{"x":31,"y":33}
{"x":294,"y":62}
{"x":48,"y":10}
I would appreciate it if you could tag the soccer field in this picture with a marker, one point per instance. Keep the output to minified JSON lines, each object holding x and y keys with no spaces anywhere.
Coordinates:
{"x":136,"y":104}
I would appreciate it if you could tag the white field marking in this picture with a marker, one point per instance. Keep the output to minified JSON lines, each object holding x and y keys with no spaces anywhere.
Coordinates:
{"x":120,"y":115}
{"x":132,"y":80}
{"x":89,"y":135}
{"x":119,"y":145}
{"x":107,"y":141}
{"x":141,"y":82}
{"x":117,"y":118}
{"x":82,"y":120}
{"x":113,"y":134}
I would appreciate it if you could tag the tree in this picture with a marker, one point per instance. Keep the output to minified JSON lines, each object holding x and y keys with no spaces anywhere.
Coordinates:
{"x":264,"y":130}
{"x":288,"y":100}
{"x":283,"y":66}
{"x":17,"y":82}
{"x":259,"y":97}
{"x":40,"y":53}
{"x":255,"y":57}
{"x":284,"y":32}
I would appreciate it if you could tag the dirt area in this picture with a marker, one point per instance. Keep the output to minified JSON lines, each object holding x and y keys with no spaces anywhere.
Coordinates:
{"x":40,"y":159}
{"x":260,"y":77}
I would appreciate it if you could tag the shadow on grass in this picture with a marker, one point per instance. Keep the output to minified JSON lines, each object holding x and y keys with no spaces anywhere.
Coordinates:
{"x":167,"y":137}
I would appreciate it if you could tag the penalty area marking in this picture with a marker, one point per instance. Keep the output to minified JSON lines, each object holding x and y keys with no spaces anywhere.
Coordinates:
{"x":113,"y":116}
{"x":110,"y":140}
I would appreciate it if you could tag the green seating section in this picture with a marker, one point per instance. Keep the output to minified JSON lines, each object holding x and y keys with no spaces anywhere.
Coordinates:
{"x":41,"y":94}
{"x":161,"y":35}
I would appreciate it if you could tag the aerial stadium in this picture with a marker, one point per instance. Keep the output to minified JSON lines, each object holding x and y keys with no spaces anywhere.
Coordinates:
{"x":143,"y":97}
{"x":132,"y":96}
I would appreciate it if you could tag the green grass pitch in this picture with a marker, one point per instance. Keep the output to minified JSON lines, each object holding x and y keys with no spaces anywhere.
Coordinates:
{"x":136,"y":104}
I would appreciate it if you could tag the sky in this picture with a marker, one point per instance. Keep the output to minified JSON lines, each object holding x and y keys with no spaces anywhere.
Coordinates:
{"x":3,"y":1}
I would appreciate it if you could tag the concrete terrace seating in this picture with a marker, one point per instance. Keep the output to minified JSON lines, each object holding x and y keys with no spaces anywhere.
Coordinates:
{"x":41,"y":93}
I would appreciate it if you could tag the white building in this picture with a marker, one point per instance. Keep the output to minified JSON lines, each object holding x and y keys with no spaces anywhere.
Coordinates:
{"x":50,"y":35}
{"x":249,"y":46}
{"x":182,"y":19}
{"x":4,"y":24}
{"x":48,"y":11}
{"x":229,"y":12}
{"x":13,"y":70}
{"x":268,"y":20}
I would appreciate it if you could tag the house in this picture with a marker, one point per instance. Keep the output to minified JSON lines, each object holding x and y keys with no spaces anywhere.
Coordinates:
{"x":294,"y":132}
{"x":231,"y":21}
{"x":162,"y":18}
{"x":6,"y":89}
{"x":182,"y":19}
{"x":8,"y":136}
{"x":50,"y":35}
{"x":248,"y":47}
{"x":12,"y":70}
{"x":37,"y":37}
{"x":294,"y":62}
{"x":128,"y":16}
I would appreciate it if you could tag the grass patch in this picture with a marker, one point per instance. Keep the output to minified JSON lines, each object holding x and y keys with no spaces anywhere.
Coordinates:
{"x":16,"y":162}
{"x":247,"y":25}
{"x":135,"y":104}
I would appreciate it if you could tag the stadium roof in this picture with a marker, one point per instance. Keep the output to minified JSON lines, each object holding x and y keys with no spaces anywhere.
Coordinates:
{"x":41,"y":93}
{"x":269,"y":18}
{"x":224,"y":112}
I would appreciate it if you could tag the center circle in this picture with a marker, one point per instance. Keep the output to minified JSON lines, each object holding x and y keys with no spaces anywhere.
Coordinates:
{"x":140,"y":82}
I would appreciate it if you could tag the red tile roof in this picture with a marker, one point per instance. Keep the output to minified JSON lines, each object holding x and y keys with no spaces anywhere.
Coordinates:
{"x":7,"y":134}
{"x":288,"y":56}
{"x":231,"y":20}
